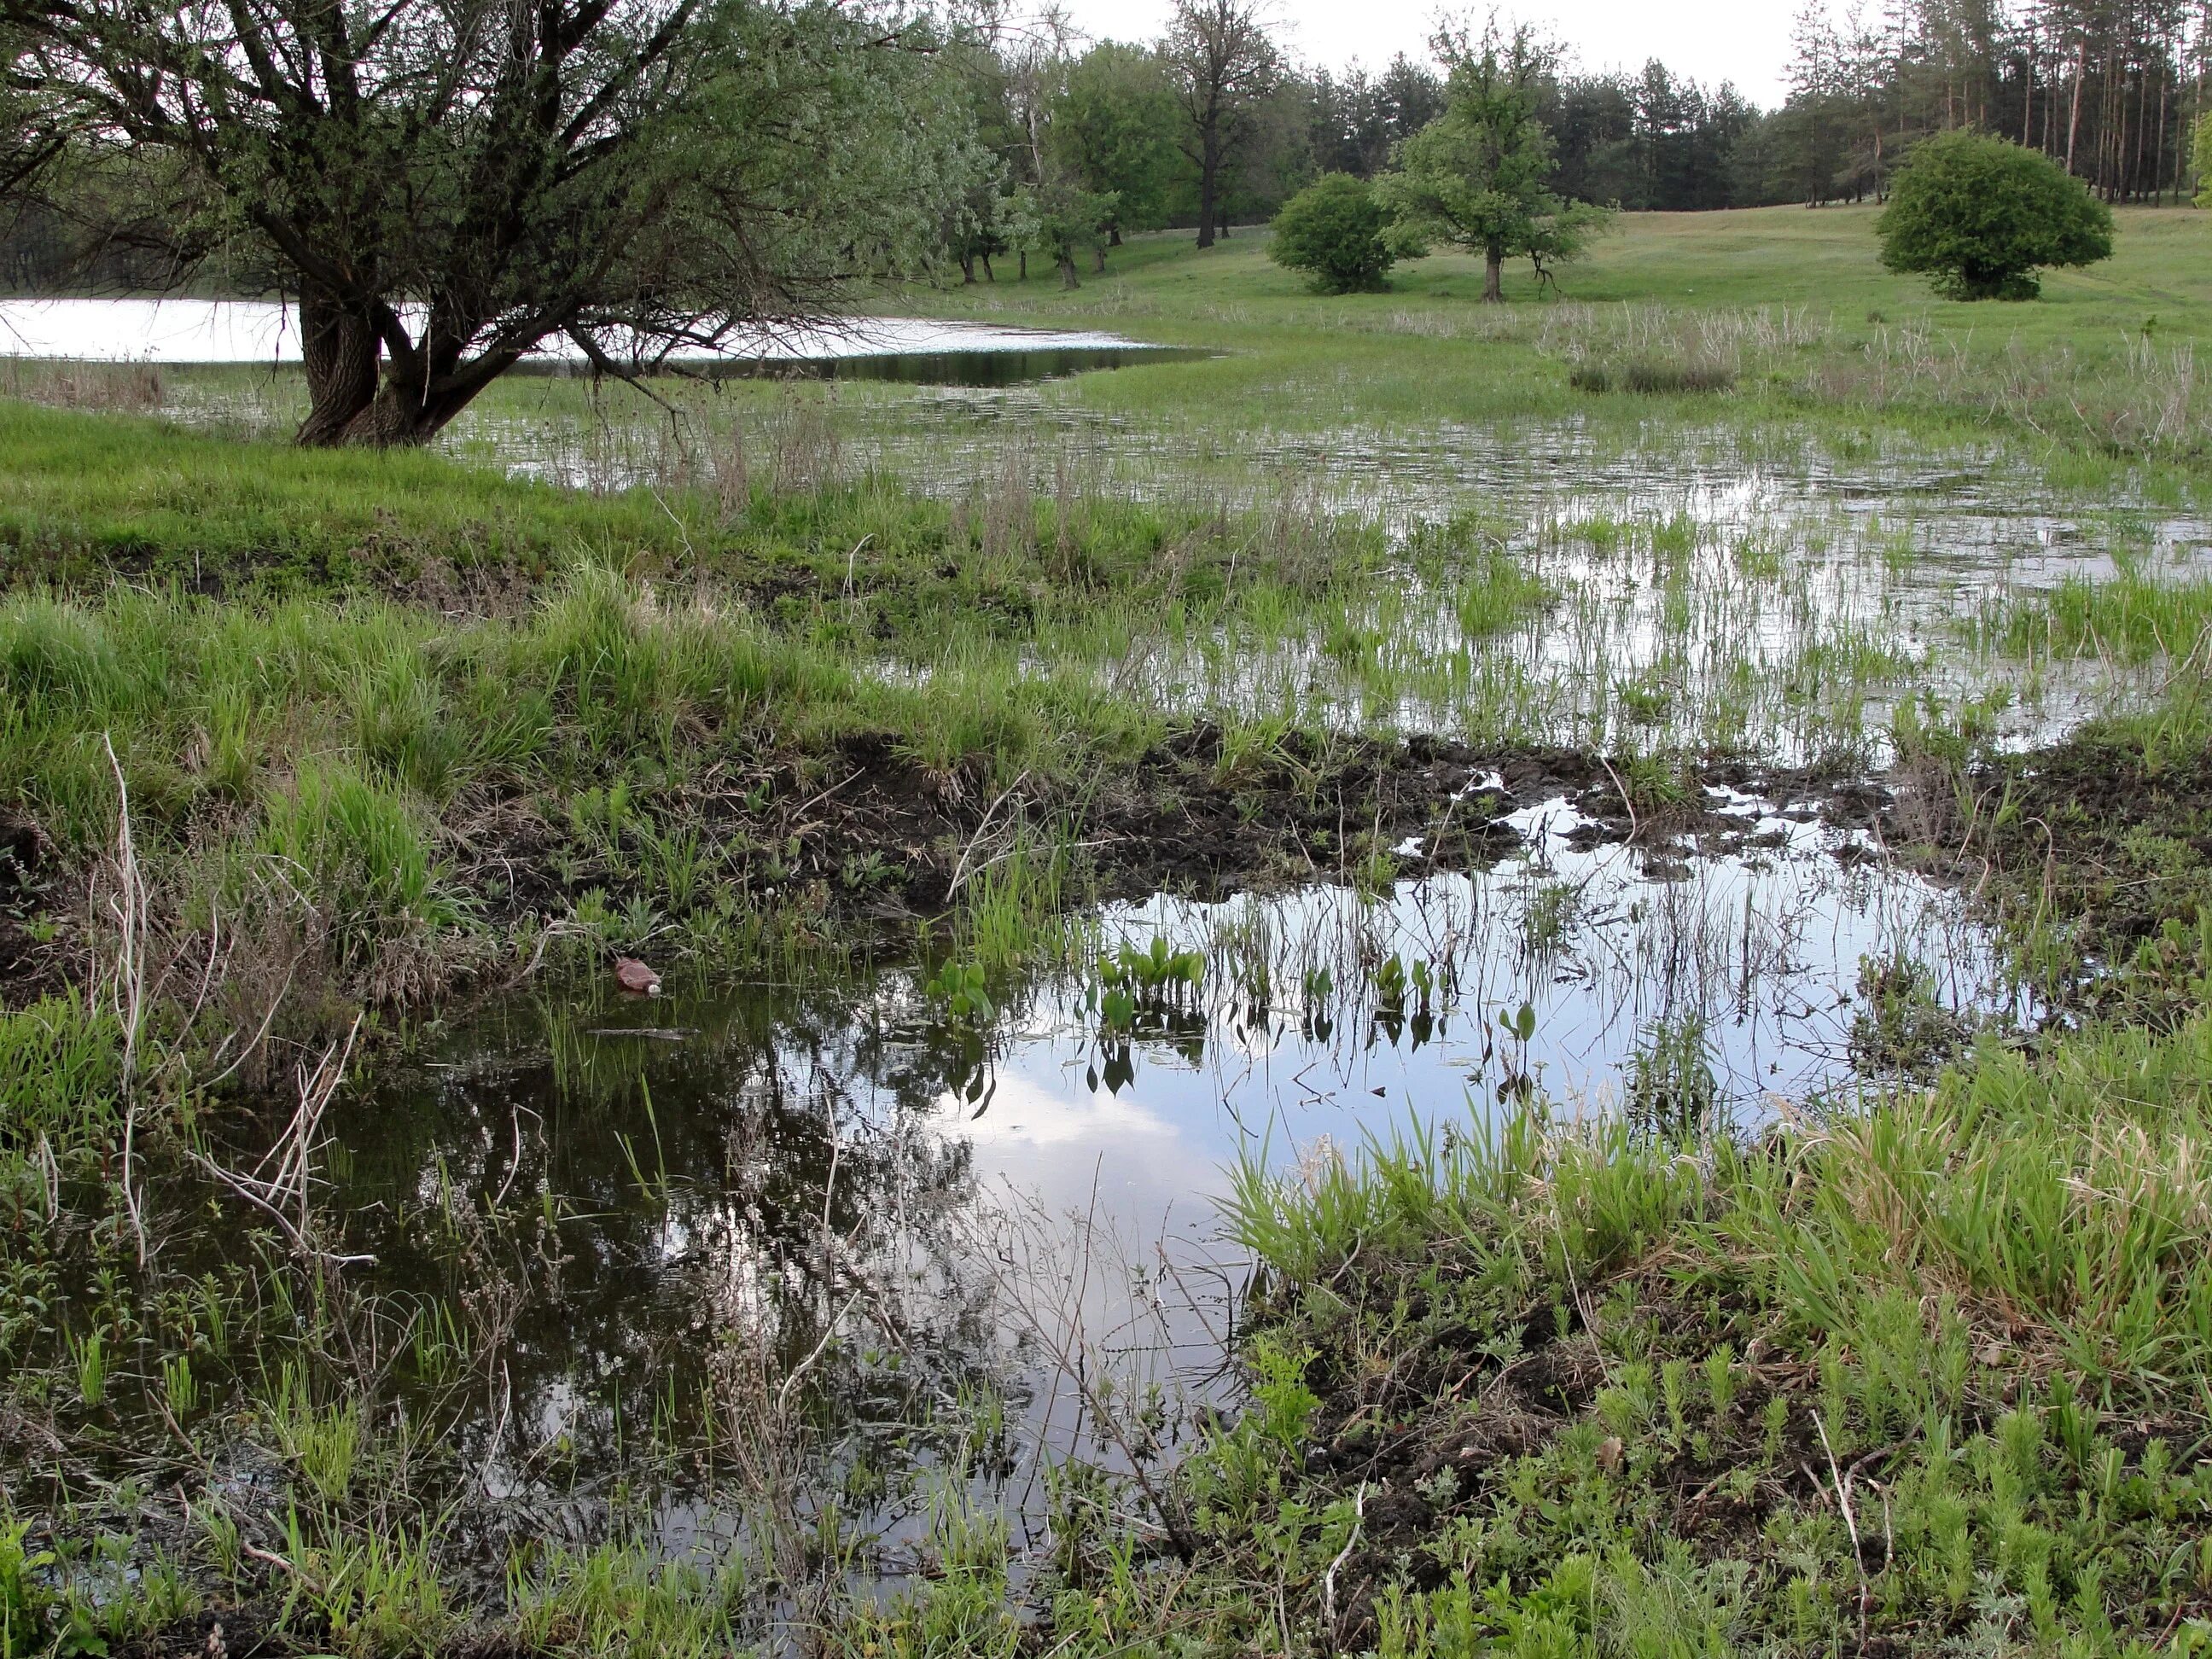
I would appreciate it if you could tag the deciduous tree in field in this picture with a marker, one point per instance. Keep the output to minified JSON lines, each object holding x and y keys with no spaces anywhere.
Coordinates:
{"x":1113,"y":126}
{"x":1479,"y":176}
{"x":1225,"y":63}
{"x":444,"y":185}
{"x":1980,"y":215}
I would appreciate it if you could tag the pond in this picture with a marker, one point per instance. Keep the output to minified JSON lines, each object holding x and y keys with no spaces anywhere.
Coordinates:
{"x":818,"y":1251}
{"x":912,"y":350}
{"x":976,"y":1233}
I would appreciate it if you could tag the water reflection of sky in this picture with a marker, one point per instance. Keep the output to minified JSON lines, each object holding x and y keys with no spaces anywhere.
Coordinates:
{"x":1034,"y":1201}
{"x":1760,"y":949}
{"x":174,"y":330}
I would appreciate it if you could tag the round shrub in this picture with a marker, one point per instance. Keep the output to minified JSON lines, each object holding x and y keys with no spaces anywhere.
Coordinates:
{"x":1336,"y":229}
{"x":1979,"y":215}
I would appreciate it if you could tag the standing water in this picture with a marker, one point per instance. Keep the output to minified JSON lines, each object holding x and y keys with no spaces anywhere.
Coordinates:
{"x":917,"y":349}
{"x":974,"y":1223}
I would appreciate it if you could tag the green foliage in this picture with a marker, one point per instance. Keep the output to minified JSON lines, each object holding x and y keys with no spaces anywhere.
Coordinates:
{"x":60,"y":1071}
{"x":1651,"y":376}
{"x":1337,"y":229}
{"x":1980,"y":215}
{"x":619,"y":1598}
{"x":365,"y":856}
{"x":1113,"y":126}
{"x":1630,"y":1272}
{"x":1479,"y":176}
{"x":26,"y":1600}
{"x":2204,"y":160}
{"x":718,"y":164}
{"x":964,"y":990}
{"x":1062,"y":219}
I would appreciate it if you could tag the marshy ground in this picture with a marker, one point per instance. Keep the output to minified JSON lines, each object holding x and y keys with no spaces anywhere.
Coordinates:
{"x":1456,"y":979}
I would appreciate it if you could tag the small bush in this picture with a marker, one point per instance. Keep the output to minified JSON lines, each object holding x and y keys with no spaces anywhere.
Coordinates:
{"x":358,"y":852}
{"x":1338,"y":230}
{"x":1979,"y":215}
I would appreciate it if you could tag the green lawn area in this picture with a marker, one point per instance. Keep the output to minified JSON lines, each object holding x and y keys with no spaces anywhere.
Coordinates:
{"x":1861,"y":346}
{"x":1823,"y":257}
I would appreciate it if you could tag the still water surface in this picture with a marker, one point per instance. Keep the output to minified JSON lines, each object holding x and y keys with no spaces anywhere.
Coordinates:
{"x":917,"y":349}
{"x":922,"y":1212}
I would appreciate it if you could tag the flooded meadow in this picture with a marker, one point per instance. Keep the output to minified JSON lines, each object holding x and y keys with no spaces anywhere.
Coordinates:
{"x":891,"y":1233}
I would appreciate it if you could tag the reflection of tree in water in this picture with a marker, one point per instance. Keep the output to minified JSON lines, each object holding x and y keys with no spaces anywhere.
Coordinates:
{"x":720,"y":1204}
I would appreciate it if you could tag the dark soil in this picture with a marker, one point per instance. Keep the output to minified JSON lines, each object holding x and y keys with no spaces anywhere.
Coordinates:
{"x":2095,"y":849}
{"x":862,"y":835}
{"x":1186,"y":818}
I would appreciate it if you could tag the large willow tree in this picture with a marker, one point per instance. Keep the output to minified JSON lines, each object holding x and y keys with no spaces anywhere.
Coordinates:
{"x":446,"y":184}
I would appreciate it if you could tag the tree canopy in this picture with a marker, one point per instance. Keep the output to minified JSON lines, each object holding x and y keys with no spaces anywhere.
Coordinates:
{"x":1479,"y":176}
{"x":1980,"y":215}
{"x":445,"y":184}
{"x":1225,"y":63}
{"x":1114,"y":128}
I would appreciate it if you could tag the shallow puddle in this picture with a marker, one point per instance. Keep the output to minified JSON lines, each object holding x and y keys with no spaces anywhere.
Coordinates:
{"x":942,"y":1212}
{"x":1702,"y":588}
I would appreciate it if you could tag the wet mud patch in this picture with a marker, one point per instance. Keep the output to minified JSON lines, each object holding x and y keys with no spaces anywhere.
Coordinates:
{"x":2095,"y":854}
{"x":1195,"y":817}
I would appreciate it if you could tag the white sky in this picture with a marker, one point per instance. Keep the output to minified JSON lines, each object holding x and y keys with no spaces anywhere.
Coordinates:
{"x":1746,"y":41}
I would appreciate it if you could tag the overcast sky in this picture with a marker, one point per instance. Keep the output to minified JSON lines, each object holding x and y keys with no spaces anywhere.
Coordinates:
{"x":1746,"y":41}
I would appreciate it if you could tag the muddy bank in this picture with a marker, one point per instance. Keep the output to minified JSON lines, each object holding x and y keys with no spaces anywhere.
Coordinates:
{"x":1196,"y":817}
{"x":863,"y":836}
{"x":2094,"y":854}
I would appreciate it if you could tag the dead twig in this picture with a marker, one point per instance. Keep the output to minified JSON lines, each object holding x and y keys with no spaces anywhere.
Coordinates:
{"x":128,"y":906}
{"x":1328,"y":1579}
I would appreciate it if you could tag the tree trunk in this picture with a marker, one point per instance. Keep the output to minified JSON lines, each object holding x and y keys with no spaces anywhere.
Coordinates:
{"x":1022,"y":275}
{"x":1099,"y":249}
{"x":1067,"y":277}
{"x":358,"y":398}
{"x":989,"y":275}
{"x":968,"y":269}
{"x":1114,"y":236}
{"x":400,"y":419}
{"x":2158,"y":146}
{"x":1209,"y":182}
{"x":2074,"y":117}
{"x":1493,"y":275}
{"x":338,"y":349}
{"x":397,"y":417}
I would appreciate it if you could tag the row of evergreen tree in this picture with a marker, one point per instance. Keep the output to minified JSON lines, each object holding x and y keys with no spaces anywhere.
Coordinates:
{"x":1214,"y":124}
{"x":2111,"y":90}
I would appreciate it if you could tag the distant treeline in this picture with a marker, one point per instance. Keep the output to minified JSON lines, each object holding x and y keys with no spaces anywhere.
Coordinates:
{"x":1213,"y":124}
{"x":2112,"y":90}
